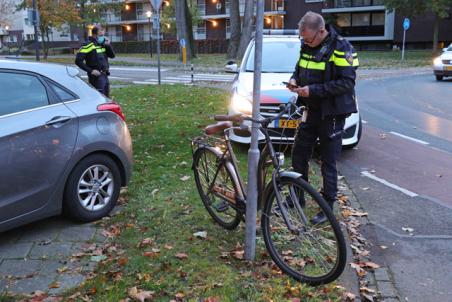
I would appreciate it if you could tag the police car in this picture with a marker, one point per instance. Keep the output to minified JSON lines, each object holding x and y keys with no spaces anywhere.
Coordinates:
{"x":442,"y":65}
{"x":281,"y":50}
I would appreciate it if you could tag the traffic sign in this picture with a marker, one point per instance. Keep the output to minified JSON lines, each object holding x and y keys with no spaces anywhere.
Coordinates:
{"x":156,"y":4}
{"x":182,"y":42}
{"x":406,"y":24}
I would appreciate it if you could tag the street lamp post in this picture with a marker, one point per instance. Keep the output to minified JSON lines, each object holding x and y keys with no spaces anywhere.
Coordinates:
{"x":149,"y":15}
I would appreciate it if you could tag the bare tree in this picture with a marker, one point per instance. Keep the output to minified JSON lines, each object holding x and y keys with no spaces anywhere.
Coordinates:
{"x":235,"y":29}
{"x":7,"y":8}
{"x":248,"y":20}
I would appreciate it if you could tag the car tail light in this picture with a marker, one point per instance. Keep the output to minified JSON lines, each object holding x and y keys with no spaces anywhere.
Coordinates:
{"x":113,"y":107}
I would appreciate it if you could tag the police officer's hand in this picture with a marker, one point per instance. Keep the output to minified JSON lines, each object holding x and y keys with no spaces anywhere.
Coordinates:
{"x":95,"y":72}
{"x":302,"y":91}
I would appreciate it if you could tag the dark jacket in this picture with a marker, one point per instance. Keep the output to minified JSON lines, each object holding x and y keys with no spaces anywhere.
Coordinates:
{"x":330,"y":72}
{"x":92,"y":55}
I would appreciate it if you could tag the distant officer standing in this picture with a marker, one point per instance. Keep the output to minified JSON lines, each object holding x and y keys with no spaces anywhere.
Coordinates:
{"x":93,"y":58}
{"x":325,"y":75}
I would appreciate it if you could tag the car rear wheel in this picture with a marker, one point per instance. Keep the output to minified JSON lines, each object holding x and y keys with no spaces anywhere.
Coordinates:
{"x":439,"y":78}
{"x":92,"y":188}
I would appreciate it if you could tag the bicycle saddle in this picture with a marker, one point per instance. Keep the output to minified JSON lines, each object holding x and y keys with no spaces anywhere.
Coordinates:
{"x":216,"y":128}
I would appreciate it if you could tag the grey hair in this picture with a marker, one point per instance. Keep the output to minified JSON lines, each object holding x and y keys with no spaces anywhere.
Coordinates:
{"x":312,"y":21}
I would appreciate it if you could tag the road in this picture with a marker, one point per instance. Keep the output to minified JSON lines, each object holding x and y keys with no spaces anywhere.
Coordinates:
{"x":401,"y":174}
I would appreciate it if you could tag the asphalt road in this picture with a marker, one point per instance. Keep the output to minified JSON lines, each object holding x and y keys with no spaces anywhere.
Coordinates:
{"x":401,"y":174}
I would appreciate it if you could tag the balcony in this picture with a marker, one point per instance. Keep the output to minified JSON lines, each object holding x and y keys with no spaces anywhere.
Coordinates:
{"x":353,"y":3}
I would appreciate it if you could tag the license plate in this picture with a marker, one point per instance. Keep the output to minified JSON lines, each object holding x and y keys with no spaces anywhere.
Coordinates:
{"x":293,"y":124}
{"x":448,"y":67}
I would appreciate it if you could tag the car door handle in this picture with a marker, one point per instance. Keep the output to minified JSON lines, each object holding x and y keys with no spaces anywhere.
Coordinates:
{"x":58,"y":120}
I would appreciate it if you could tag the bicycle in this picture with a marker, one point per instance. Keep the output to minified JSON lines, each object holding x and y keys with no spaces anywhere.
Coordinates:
{"x":309,"y":253}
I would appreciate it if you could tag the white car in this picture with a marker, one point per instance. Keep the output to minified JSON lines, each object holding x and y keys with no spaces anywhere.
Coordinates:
{"x":442,"y":65}
{"x":279,"y":56}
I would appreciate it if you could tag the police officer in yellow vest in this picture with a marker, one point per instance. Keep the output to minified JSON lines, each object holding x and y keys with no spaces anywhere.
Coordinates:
{"x":325,"y":75}
{"x":93,"y":58}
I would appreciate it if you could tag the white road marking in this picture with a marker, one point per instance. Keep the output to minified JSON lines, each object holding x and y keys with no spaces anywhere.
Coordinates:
{"x":364,"y":122}
{"x":410,"y":138}
{"x":388,"y":184}
{"x":136,"y":69}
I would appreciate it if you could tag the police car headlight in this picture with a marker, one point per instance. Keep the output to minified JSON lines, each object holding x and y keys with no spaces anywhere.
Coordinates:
{"x":241,"y":103}
{"x":437,"y":61}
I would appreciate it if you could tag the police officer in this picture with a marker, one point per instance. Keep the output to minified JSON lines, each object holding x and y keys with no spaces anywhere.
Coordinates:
{"x":325,"y":79}
{"x":93,"y":58}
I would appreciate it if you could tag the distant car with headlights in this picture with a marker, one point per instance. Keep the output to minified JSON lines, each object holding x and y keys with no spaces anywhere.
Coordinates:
{"x":279,"y":56}
{"x":442,"y":65}
{"x":63,"y":145}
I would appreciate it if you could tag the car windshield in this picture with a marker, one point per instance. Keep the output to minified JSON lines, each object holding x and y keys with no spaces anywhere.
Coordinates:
{"x":278,"y":56}
{"x":449,"y":48}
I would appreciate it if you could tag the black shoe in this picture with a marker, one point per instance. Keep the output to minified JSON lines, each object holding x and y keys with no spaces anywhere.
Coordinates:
{"x":319,"y":218}
{"x":223,"y":206}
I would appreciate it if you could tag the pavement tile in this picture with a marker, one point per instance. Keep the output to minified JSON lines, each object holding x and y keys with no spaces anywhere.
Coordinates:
{"x":15,"y":250}
{"x":11,"y":236}
{"x":67,"y":281}
{"x":77,"y":233}
{"x":48,"y":231}
{"x":29,"y":285}
{"x":19,"y":268}
{"x":381,"y":274}
{"x":390,"y":300}
{"x":52,"y":250}
{"x":387,"y":290}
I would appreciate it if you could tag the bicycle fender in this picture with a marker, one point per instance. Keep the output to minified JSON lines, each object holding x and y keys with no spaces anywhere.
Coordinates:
{"x":290,"y":174}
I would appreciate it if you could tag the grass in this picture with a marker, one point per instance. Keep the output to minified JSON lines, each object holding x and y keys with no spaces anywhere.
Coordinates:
{"x":392,"y":59}
{"x":166,"y":209}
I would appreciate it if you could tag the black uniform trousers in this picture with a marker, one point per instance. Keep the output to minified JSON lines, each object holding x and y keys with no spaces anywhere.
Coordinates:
{"x":329,"y":132}
{"x":101,"y":83}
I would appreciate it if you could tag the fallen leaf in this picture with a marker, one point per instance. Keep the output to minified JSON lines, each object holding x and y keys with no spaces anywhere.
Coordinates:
{"x":239,"y":254}
{"x":139,"y":295}
{"x":382,"y":135}
{"x":368,"y":297}
{"x":366,"y":289}
{"x":365,"y":188}
{"x":146,"y":242}
{"x":168,"y":247}
{"x":383,"y":247}
{"x":370,"y":265}
{"x":185,"y":178}
{"x":62,"y":269}
{"x":55,"y":285}
{"x":202,"y":234}
{"x":180,"y":296}
{"x":410,"y":230}
{"x":181,"y":256}
{"x":98,"y":258}
{"x":211,"y":299}
{"x":123,"y":261}
{"x":349,"y":297}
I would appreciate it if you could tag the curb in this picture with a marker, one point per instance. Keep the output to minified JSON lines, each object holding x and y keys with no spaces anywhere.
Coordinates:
{"x":379,"y":282}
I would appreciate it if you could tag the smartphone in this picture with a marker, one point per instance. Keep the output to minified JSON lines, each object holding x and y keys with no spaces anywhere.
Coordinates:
{"x":289,"y":85}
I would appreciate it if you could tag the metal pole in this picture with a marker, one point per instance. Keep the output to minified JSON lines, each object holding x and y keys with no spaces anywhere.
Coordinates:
{"x":403,"y":46}
{"x":35,"y":25}
{"x":150,"y":36}
{"x":158,"y":44}
{"x":253,"y":153}
{"x":192,"y":75}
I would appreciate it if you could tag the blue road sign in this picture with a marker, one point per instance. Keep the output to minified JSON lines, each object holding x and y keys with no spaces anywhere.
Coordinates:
{"x":406,"y":24}
{"x":182,"y":42}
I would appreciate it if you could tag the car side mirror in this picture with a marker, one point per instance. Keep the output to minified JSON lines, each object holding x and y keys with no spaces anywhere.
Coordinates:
{"x":444,"y":49}
{"x":231,"y":67}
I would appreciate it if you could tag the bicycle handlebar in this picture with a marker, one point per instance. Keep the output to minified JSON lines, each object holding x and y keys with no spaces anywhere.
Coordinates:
{"x":239,"y":118}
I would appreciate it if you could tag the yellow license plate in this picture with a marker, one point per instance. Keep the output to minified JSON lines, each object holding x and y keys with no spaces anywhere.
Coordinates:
{"x":288,"y":124}
{"x":448,"y":67}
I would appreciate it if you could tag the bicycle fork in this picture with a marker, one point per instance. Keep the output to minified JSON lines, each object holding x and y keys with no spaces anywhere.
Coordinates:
{"x":294,"y":230}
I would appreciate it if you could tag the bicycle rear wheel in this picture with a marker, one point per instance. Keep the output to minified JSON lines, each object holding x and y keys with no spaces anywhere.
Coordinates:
{"x":219,"y":201}
{"x":313,"y":254}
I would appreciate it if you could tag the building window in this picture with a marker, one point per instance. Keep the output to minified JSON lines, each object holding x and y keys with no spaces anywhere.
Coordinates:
{"x":361,"y":19}
{"x":378,"y":19}
{"x":201,"y":7}
{"x":140,"y":32}
{"x":140,"y":11}
{"x":344,"y":20}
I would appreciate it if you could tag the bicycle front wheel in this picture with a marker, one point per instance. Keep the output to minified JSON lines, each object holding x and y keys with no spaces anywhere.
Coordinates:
{"x":311,"y":253}
{"x":218,"y":191}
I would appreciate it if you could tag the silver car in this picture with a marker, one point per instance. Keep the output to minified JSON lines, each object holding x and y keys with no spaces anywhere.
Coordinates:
{"x":63,"y":145}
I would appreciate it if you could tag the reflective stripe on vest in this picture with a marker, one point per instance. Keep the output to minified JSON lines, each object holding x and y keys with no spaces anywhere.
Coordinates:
{"x":339,"y":59}
{"x":311,"y":64}
{"x":90,"y":47}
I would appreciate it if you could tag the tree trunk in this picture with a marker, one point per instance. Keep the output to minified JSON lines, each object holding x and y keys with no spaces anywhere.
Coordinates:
{"x":247,"y":27}
{"x":234,"y":41}
{"x":435,"y":34}
{"x":189,"y":26}
{"x":183,"y":26}
{"x":44,"y":43}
